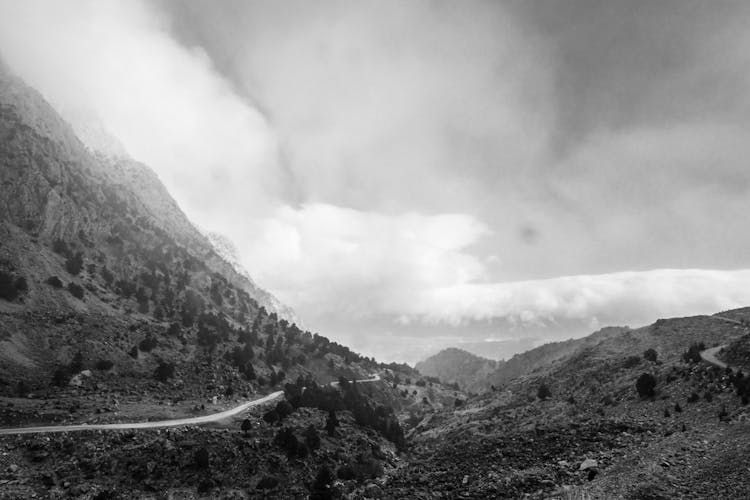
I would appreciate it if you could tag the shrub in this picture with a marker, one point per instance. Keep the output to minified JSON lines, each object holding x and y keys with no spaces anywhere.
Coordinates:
{"x":22,"y":389}
{"x":331,"y":423}
{"x":134,"y":352}
{"x":286,"y":440}
{"x":312,"y":439}
{"x":708,"y":396}
{"x":631,"y":361}
{"x":321,"y":488}
{"x":283,"y":409}
{"x":249,"y":372}
{"x":247,"y":425}
{"x":60,"y":247}
{"x":346,"y":472}
{"x":458,"y":403}
{"x":164,"y":372}
{"x":61,"y":376}
{"x":267,"y":483}
{"x":54,"y":282}
{"x":646,"y":385}
{"x":76,"y":364}
{"x":107,"y":275}
{"x":148,"y":344}
{"x":75,"y":290}
{"x":174,"y":330}
{"x":10,"y":287}
{"x":543,"y":392}
{"x":693,"y":354}
{"x":693,"y":398}
{"x":723,"y":415}
{"x":202,"y":459}
{"x":74,"y":263}
{"x":271,"y":416}
{"x":650,"y":355}
{"x":103,"y":365}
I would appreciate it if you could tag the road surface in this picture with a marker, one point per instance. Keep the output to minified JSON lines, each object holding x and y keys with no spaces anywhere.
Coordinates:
{"x":709,"y":356}
{"x":214,"y":417}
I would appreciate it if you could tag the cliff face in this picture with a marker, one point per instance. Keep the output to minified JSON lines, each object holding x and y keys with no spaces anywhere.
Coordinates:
{"x":99,"y":234}
{"x":53,"y":187}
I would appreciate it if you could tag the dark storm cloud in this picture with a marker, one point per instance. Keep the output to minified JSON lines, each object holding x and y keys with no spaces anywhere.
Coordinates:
{"x":644,"y":62}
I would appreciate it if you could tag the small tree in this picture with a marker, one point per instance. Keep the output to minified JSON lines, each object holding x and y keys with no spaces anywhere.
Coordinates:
{"x":202,"y":459}
{"x":693,"y":354}
{"x":247,"y":425}
{"x":631,"y":361}
{"x":164,"y":372}
{"x":321,"y":488}
{"x":74,"y":263}
{"x":284,"y":409}
{"x":650,"y":355}
{"x":271,"y":416}
{"x":331,"y":423}
{"x":312,"y":439}
{"x":54,"y":282}
{"x":543,"y":392}
{"x":646,"y":385}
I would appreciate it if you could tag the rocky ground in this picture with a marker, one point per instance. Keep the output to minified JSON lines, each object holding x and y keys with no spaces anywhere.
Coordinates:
{"x":195,"y":462}
{"x":594,"y":437}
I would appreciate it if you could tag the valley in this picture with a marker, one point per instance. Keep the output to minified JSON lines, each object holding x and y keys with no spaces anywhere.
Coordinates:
{"x":136,"y":361}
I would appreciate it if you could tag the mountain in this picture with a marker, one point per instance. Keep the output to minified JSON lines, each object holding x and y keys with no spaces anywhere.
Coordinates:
{"x":98,"y":262}
{"x":619,"y":414}
{"x":114,"y":307}
{"x":456,"y":366}
{"x":545,"y":355}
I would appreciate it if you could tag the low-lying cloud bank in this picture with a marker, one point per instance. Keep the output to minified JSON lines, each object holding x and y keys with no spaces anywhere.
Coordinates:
{"x":615,"y":298}
{"x":419,"y":269}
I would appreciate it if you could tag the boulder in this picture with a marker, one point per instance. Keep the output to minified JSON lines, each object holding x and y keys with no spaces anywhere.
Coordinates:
{"x":589,"y":463}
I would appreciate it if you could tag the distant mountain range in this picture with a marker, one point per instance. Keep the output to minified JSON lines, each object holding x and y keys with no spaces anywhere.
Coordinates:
{"x":456,"y":366}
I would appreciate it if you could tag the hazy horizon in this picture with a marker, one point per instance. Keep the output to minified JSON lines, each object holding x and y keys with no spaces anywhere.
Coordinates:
{"x":412,"y":176}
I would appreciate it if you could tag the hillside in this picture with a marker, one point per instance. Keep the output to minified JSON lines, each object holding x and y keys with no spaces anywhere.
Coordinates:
{"x":115,"y":308}
{"x":591,"y":434}
{"x":456,"y":366}
{"x":97,"y":260}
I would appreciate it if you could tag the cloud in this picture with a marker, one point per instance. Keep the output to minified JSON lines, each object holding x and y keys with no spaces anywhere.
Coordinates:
{"x":383,"y":105}
{"x":329,"y":260}
{"x":616,"y":298}
{"x":164,"y":102}
{"x":431,"y":169}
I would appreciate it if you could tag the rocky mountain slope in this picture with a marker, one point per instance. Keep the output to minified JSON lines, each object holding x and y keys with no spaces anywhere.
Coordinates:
{"x":100,"y":272}
{"x":455,"y":366}
{"x":632,"y":415}
{"x":114,"y":307}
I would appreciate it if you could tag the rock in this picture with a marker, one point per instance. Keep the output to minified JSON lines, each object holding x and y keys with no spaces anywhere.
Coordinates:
{"x":372,"y":490}
{"x":13,"y":468}
{"x":589,"y":463}
{"x":465,"y":480}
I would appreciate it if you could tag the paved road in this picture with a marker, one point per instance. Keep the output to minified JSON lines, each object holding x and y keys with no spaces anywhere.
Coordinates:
{"x":214,"y":417}
{"x":709,"y":356}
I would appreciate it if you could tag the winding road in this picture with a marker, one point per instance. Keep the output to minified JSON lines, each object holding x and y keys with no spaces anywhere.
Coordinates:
{"x":214,"y":417}
{"x":709,"y":355}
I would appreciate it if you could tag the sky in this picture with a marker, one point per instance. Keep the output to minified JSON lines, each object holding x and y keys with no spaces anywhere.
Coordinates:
{"x":413,"y":175}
